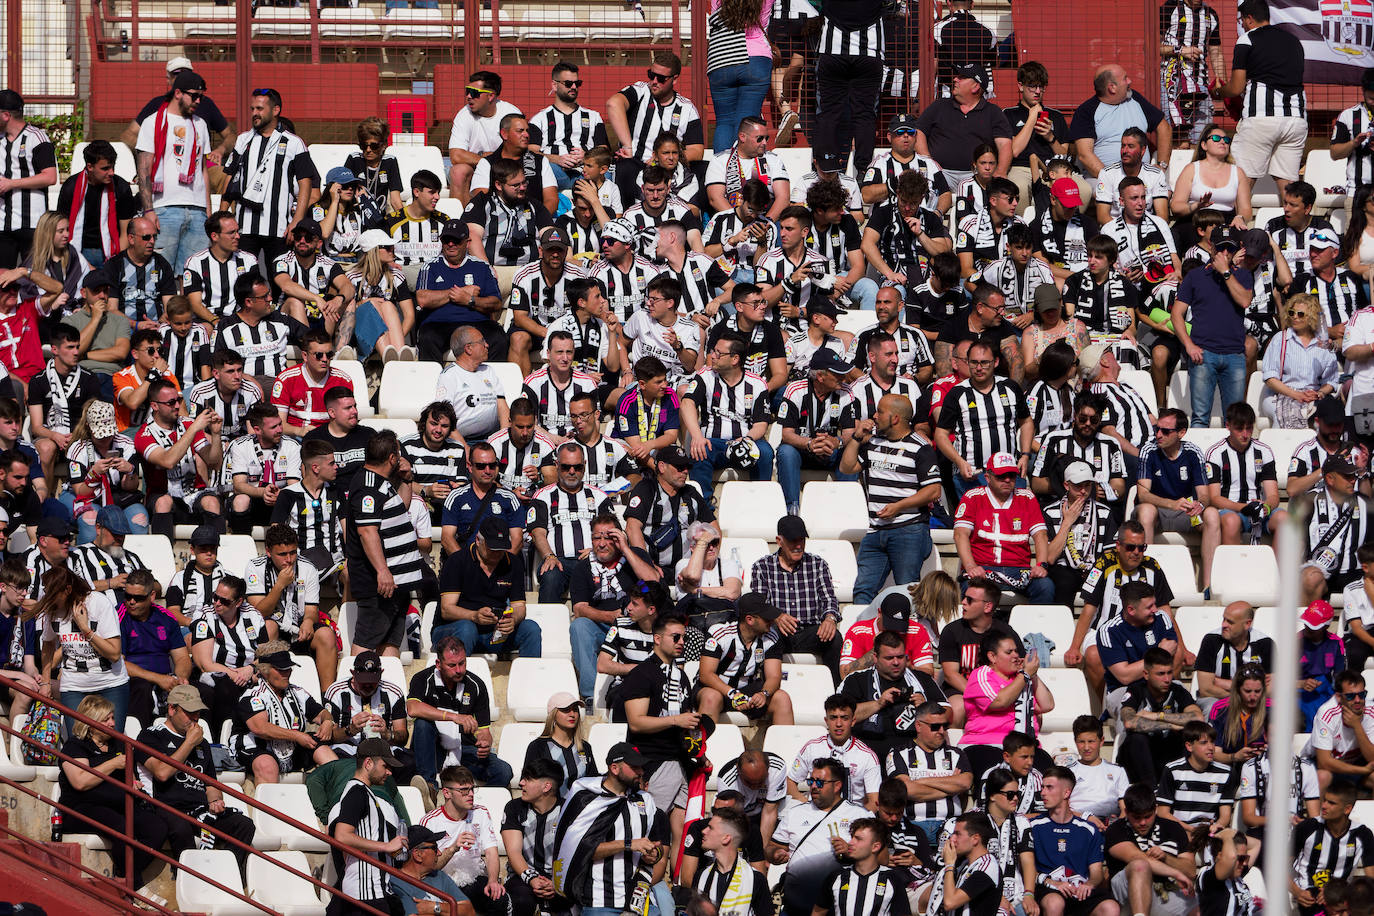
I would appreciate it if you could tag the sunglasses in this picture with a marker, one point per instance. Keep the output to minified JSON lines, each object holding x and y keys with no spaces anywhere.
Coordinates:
{"x":936,"y":726}
{"x":473,"y":92}
{"x":323,"y":354}
{"x":903,"y":130}
{"x":815,"y":783}
{"x":220,"y":599}
{"x":486,"y":465}
{"x":677,"y":637}
{"x":570,"y":84}
{"x":130,"y":596}
{"x":1011,"y":794}
{"x":571,"y":467}
{"x":1089,"y":418}
{"x":658,"y":77}
{"x":1296,"y":314}
{"x":1220,"y":138}
{"x":149,"y":237}
{"x":166,"y":403}
{"x":1133,"y":548}
{"x":1355,"y":695}
{"x":372,"y":144}
{"x":1165,"y":430}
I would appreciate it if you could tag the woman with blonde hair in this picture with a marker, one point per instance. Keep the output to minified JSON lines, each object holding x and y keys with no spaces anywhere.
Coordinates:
{"x":563,"y":741}
{"x":1240,"y":718}
{"x":384,"y":312}
{"x":56,"y":266}
{"x":100,"y":474}
{"x":1298,"y":368}
{"x":84,"y":625}
{"x":935,"y":601}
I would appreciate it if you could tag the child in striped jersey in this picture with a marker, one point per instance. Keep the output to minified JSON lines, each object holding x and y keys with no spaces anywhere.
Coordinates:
{"x":185,"y":343}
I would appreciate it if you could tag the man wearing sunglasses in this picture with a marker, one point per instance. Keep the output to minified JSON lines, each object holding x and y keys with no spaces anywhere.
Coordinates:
{"x":638,"y":113}
{"x":1083,"y":441}
{"x":155,"y":652}
{"x":811,"y":837}
{"x":1342,"y":742}
{"x":748,"y":158}
{"x":476,"y":129}
{"x":559,"y":521}
{"x":141,"y":278}
{"x":564,"y":131}
{"x":880,"y":181}
{"x":1171,"y":486}
{"x":425,"y":877}
{"x":1336,"y":525}
{"x":171,"y":151}
{"x":314,"y":289}
{"x":133,"y":385}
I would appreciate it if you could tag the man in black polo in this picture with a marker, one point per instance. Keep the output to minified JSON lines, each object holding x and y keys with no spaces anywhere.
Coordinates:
{"x":482,"y":595}
{"x":950,"y":128}
{"x":452,"y":713}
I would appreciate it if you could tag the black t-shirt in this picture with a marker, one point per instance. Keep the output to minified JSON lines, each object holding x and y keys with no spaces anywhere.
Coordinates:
{"x":1167,"y":834}
{"x":956,"y":329}
{"x":1138,"y":696}
{"x":182,"y":791}
{"x":382,"y":182}
{"x":764,"y":343}
{"x":126,"y":207}
{"x":931,"y":311}
{"x":85,"y":387}
{"x":463,"y":575}
{"x":1017,"y":116}
{"x":895,"y":719}
{"x":207,"y":111}
{"x":959,"y":643}
{"x":952,"y":135}
{"x":468,"y":697}
{"x":103,"y":794}
{"x":1271,"y":56}
{"x":348,"y":450}
{"x":649,"y":680}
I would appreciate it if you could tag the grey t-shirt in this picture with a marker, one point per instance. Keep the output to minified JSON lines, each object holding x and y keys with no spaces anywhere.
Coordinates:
{"x":115,"y":328}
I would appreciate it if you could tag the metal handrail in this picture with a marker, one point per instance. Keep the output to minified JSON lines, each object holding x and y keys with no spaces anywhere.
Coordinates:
{"x":128,"y":787}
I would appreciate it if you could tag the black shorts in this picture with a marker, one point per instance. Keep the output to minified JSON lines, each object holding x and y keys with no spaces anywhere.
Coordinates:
{"x":1101,"y":894}
{"x":1151,"y":338}
{"x":301,"y":760}
{"x":381,"y":621}
{"x":1337,"y":582}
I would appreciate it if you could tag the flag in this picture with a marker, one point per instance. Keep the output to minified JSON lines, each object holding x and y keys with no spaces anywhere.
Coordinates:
{"x":1337,"y":36}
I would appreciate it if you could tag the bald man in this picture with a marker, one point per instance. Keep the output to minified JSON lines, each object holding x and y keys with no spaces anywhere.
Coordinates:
{"x":1098,"y":123}
{"x":472,"y":386}
{"x":902,"y":479}
{"x":141,"y":280}
{"x":760,"y":778}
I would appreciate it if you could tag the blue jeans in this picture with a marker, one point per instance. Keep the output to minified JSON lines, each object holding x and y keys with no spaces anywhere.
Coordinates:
{"x":660,"y":897}
{"x":117,"y":695}
{"x":790,"y":464}
{"x":1038,"y":591}
{"x":526,"y":638}
{"x":553,"y":585}
{"x":738,"y":91}
{"x":181,"y":235}
{"x":715,"y":458}
{"x":900,"y":551}
{"x":565,"y":181}
{"x":85,"y":522}
{"x":931,"y":829}
{"x":491,"y":771}
{"x":1224,"y":369}
{"x":586,"y":636}
{"x":95,"y":255}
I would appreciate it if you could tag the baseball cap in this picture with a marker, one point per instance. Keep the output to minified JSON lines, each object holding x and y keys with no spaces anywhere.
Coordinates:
{"x":617,"y":230}
{"x":420,"y":834}
{"x":205,"y":536}
{"x":1317,"y":616}
{"x":50,"y":527}
{"x":1256,"y":243}
{"x":674,"y":455}
{"x":1066,"y":191}
{"x":495,"y":533}
{"x":553,"y":237}
{"x":340,"y":175}
{"x":1002,"y":463}
{"x":827,"y":359}
{"x":792,"y":528}
{"x":625,"y":752}
{"x":113,"y":520}
{"x":308,"y":227}
{"x":368,"y":663}
{"x":96,"y":279}
{"x":562,"y":700}
{"x":1046,"y":297}
{"x":187,"y":697}
{"x":1330,"y":409}
{"x":821,"y":305}
{"x":1339,"y":464}
{"x":189,"y":81}
{"x":1322,"y":238}
{"x":758,"y":604}
{"x":1226,"y":237}
{"x":100,"y":420}
{"x":177,"y":64}
{"x":282,"y":661}
{"x":376,"y":747}
{"x":1078,"y":472}
{"x":1092,"y":355}
{"x":896,"y":611}
{"x":901,"y":122}
{"x":974,"y":72}
{"x":454,"y":229}
{"x":11,"y":100}
{"x":375,"y":238}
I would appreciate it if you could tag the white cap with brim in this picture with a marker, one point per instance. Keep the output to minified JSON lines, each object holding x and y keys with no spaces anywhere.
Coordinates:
{"x":375,"y":238}
{"x":178,"y":63}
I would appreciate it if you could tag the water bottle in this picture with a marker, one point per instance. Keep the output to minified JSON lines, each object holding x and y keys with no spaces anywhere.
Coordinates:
{"x":56,"y":826}
{"x":370,"y":730}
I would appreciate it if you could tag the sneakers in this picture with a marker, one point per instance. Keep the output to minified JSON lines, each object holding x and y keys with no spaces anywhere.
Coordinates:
{"x":347,"y":352}
{"x":786,"y":125}
{"x":390,"y":354}
{"x":426,"y":791}
{"x":409,"y":354}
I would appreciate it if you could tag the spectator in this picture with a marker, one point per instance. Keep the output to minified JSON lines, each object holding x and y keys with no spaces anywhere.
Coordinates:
{"x":1048,"y":327}
{"x":1018,"y":560}
{"x":82,"y":789}
{"x":1197,"y":188}
{"x":981,"y":239}
{"x":100,"y":473}
{"x":61,"y":268}
{"x":1223,"y":884}
{"x":1340,"y":293}
{"x":1105,"y":301}
{"x":1039,"y":134}
{"x":1323,"y":656}
{"x":345,"y":438}
{"x":528,"y":827}
{"x":961,"y":39}
{"x":1240,"y":719}
{"x":1098,"y":124}
{"x":83,"y":625}
{"x":482,"y":595}
{"x":471,"y":386}
{"x":899,"y":240}
{"x":186,"y":343}
{"x":741,"y":664}
{"x":1101,"y":785}
{"x":298,"y":393}
{"x":562,"y":743}
{"x":662,"y":331}
{"x":1123,"y":641}
{"x":19,"y":637}
{"x":363,"y":706}
{"x":950,"y":128}
{"x":1242,"y":482}
{"x":258,"y":332}
{"x":482,"y":497}
{"x":960,"y":639}
{"x":424,"y":878}
{"x":1128,"y":419}
{"x":716,"y":434}
{"x":260,"y":464}
{"x":595,"y":332}
{"x":378,"y":173}
{"x":1133,"y":163}
{"x":172,"y":151}
{"x":1332,"y":829}
{"x":654,"y":520}
{"x":1150,"y":858}
{"x":810,"y":855}
{"x":156,"y":657}
{"x":56,"y":398}
{"x":1225,"y":651}
{"x":986,"y":418}
{"x":342,"y":213}
{"x":1079,"y":528}
{"x":20,"y":319}
{"x":99,"y":205}
{"x":1299,"y":375}
{"x":1196,"y":789}
{"x":641,"y":111}
{"x":312,"y":509}
{"x":881,"y":179}
{"x":759,"y":778}
{"x":471,"y":830}
{"x":475,"y":129}
{"x":1255,"y":779}
{"x":800,"y":584}
{"x":1146,"y":253}
{"x":447,"y":304}
{"x":279,"y":728}
{"x":869,"y":843}
{"x":284,"y":587}
{"x":565,"y":131}
{"x":623,"y":273}
{"x":452,"y":714}
{"x":416,"y":230}
{"x":538,"y":298}
{"x":1171,"y":488}
{"x":1062,"y":223}
{"x":1069,"y":855}
{"x":364,"y":821}
{"x":515,"y":148}
{"x":886,"y":698}
{"x":503,"y":223}
{"x":1082,"y":442}
{"x":208,"y":275}
{"x":857,"y":759}
{"x":893,"y":612}
{"x":1336,"y":525}
{"x":226,"y":638}
{"x":1017,"y":274}
{"x":1003,"y":695}
{"x":1217,"y":296}
{"x":560,"y":521}
{"x":314,"y":289}
{"x":438,"y":461}
{"x":727,"y":872}
{"x":748,"y":158}
{"x":630,"y":642}
{"x":1342,"y":742}
{"x":228,"y":392}
{"x":934,"y":773}
{"x":608,"y":464}
{"x":810,"y":413}
{"x":1154,"y":711}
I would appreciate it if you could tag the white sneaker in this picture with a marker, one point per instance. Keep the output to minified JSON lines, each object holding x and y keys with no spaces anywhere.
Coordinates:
{"x":409,"y":354}
{"x":389,"y":354}
{"x":346,"y":352}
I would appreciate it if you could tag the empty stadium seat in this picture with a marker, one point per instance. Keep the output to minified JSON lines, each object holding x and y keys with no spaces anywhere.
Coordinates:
{"x":1177,"y":563}
{"x":1070,"y":692}
{"x":426,"y":25}
{"x":17,"y":770}
{"x":744,"y":551}
{"x":835,"y":509}
{"x":196,"y":896}
{"x":512,"y":744}
{"x":406,"y":388}
{"x":602,"y":736}
{"x":235,"y":550}
{"x":1264,"y":214}
{"x":1055,"y":621}
{"x":303,"y":675}
{"x":1242,"y":572}
{"x":494,"y":799}
{"x":751,"y":508}
{"x":1204,"y":437}
{"x":554,"y":621}
{"x":414,"y":803}
{"x":512,"y":379}
{"x":844,"y":567}
{"x":808,"y":686}
{"x":786,"y":740}
{"x":356,"y":374}
{"x":1283,"y":443}
{"x":1197,"y":622}
{"x":1323,"y":172}
{"x":1265,"y":192}
{"x":292,"y":800}
{"x":532,"y":681}
{"x":412,"y":157}
{"x":156,"y":553}
{"x":401,"y":426}
{"x":286,"y":893}
{"x":1178,"y":160}
{"x":1057,"y":744}
{"x":725,"y":744}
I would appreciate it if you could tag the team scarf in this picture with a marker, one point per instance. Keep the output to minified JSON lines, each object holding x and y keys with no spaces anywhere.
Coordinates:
{"x":734,"y":175}
{"x":109,"y":220}
{"x":188,"y":174}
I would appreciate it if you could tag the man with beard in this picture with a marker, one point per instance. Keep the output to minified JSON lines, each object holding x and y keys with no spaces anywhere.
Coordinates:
{"x":565,"y":130}
{"x":503,"y":223}
{"x":207,"y":278}
{"x":172,"y":153}
{"x":812,"y":856}
{"x":515,"y":147}
{"x":748,"y":158}
{"x":521,"y":449}
{"x":455,"y":289}
{"x":559,"y":521}
{"x":1134,"y":148}
{"x":228,"y":392}
{"x":538,"y":296}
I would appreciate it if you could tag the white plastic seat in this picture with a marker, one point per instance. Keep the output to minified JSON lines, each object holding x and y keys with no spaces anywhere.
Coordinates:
{"x":1204,"y":437}
{"x":1254,"y":391}
{"x":512,"y":379}
{"x":1265,"y":192}
{"x":725,"y":744}
{"x":393,"y":672}
{"x":480,"y":668}
{"x":1283,"y":443}
{"x":235,"y":550}
{"x":1057,"y":743}
{"x":18,"y":770}
{"x":635,"y":28}
{"x":156,"y":553}
{"x":1178,"y":160}
{"x":1070,"y":692}
{"x":208,"y":21}
{"x":418,"y":24}
{"x":493,"y":798}
{"x":1242,"y":572}
{"x":751,"y":508}
{"x":1177,"y":563}
{"x":406,"y":388}
{"x":835,"y":509}
{"x":348,"y":22}
{"x":411,"y":158}
{"x":1055,"y":621}
{"x":808,"y":686}
{"x":844,"y":566}
{"x":744,"y":551}
{"x":401,"y":426}
{"x":305,"y":674}
{"x":554,"y":623}
{"x":603,"y":736}
{"x":786,"y":740}
{"x":292,"y":800}
{"x":286,"y":893}
{"x":293,"y":22}
{"x":532,"y":681}
{"x":414,"y":803}
{"x":196,"y":896}
{"x":351,"y":367}
{"x":1323,"y":172}
{"x":1144,"y":386}
{"x":512,"y":744}
{"x":1264,"y":214}
{"x":1197,"y":622}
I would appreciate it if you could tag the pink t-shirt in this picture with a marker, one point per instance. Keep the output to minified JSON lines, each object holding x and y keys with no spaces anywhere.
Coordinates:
{"x":983,"y":727}
{"x":756,"y":36}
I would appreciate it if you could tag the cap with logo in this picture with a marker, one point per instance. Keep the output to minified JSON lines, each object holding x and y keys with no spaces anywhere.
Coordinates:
{"x":1067,"y":192}
{"x":494,"y":533}
{"x":625,"y":752}
{"x":1323,"y":238}
{"x":553,"y":237}
{"x":675,"y":456}
{"x":1002,"y":463}
{"x":1317,"y":616}
{"x":1339,"y":464}
{"x":973,"y":72}
{"x":454,"y":229}
{"x":1226,"y":238}
{"x":896,"y":612}
{"x":188,"y":81}
{"x":367,"y":665}
{"x":341,"y":175}
{"x":1078,"y":472}
{"x":830,"y":361}
{"x":901,"y":122}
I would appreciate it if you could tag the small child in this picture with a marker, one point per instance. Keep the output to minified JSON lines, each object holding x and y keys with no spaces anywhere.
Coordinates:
{"x":185,"y":343}
{"x":1195,"y":789}
{"x":1101,"y":785}
{"x":602,"y":195}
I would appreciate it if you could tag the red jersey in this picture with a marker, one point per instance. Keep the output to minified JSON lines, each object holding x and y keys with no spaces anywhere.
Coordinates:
{"x":303,"y":400}
{"x":1001,"y":533}
{"x":182,"y":479}
{"x":938,"y":389}
{"x":21,"y":351}
{"x":858,"y":642}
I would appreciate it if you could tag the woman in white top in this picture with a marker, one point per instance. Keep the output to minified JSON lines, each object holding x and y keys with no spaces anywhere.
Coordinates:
{"x":1357,"y":248}
{"x":1213,"y":180}
{"x":704,"y":571}
{"x":81,"y":642}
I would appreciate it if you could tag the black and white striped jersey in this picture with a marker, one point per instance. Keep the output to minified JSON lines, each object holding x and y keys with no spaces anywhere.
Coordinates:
{"x":1148,"y":244}
{"x":800,"y":348}
{"x":1271,"y":99}
{"x":610,"y":881}
{"x":214,"y":279}
{"x":317,"y":277}
{"x":316,"y":518}
{"x":1219,"y":657}
{"x":882,"y":892}
{"x":984,"y":422}
{"x":764,"y":341}
{"x":657,"y":510}
{"x":864,"y":41}
{"x":558,"y":133}
{"x":868,"y":391}
{"x":231,"y":409}
{"x":747,"y":888}
{"x":1295,"y":244}
{"x":1340,"y":297}
{"x":140,"y":288}
{"x":739,"y":665}
{"x":591,"y":341}
{"x":894,"y":470}
{"x":24,"y":156}
{"x":1011,"y":840}
{"x":985,"y":241}
{"x":625,"y":287}
{"x":773,"y":790}
{"x":192,"y":589}
{"x":268,"y":169}
{"x":807,"y":414}
{"x":606,"y":460}
{"x":514,"y":458}
{"x":1127,"y":411}
{"x":648,"y":119}
{"x":1050,"y":408}
{"x":261,"y":575}
{"x":1241,"y":475}
{"x":776,"y":267}
{"x":1231,"y":897}
{"x":1102,"y":453}
{"x":724,"y":226}
{"x":970,"y":197}
{"x":1359,"y":165}
{"x":700,"y":278}
{"x":1017,"y":282}
{"x":344,"y":702}
{"x":727,"y":411}
{"x":509,"y":231}
{"x":448,"y":462}
{"x":626,"y":643}
{"x":836,"y":242}
{"x":898,"y":244}
{"x":646,"y":224}
{"x":93,"y":564}
{"x":915,"y":762}
{"x":532,"y":292}
{"x":1185,"y":26}
{"x":566,"y":517}
{"x":1106,"y":307}
{"x":235,"y":643}
{"x":416,"y":238}
{"x":537,"y":832}
{"x":582,"y":242}
{"x":1063,"y":242}
{"x":262,"y":345}
{"x":886,"y":168}
{"x":1088,"y":536}
{"x":553,"y":402}
{"x":373,"y":501}
{"x":1336,"y":531}
{"x":374,"y":819}
{"x":1194,"y":797}
{"x":1320,"y":855}
{"x":186,"y":356}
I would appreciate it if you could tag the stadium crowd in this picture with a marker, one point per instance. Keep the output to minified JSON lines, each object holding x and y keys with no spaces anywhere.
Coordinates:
{"x":1035,"y":285}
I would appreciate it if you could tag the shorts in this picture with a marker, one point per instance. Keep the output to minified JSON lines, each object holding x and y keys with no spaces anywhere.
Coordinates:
{"x":1175,"y":904}
{"x":247,"y":749}
{"x":1246,"y":522}
{"x":1149,"y":338}
{"x":1174,"y":520}
{"x":749,"y":690}
{"x":667,"y":785}
{"x":1337,"y":582}
{"x":186,"y":507}
{"x":1072,"y":907}
{"x":381,"y":621}
{"x":1270,"y":146}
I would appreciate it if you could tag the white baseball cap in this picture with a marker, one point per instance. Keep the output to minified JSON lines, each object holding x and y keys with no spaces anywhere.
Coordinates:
{"x":178,"y":63}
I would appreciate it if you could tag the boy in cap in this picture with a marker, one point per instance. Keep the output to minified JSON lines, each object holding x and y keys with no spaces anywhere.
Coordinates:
{"x":194,"y":585}
{"x":1321,"y":664}
{"x":1336,"y":518}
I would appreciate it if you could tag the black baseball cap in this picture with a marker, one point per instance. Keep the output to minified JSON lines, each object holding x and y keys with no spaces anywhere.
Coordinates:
{"x":420,"y":834}
{"x":896,"y":611}
{"x":1339,"y":464}
{"x":827,"y":359}
{"x":97,"y":279}
{"x":309,"y":227}
{"x":792,"y":528}
{"x":454,"y":229}
{"x":11,"y":101}
{"x":1330,"y":409}
{"x":376,"y":747}
{"x":821,"y":305}
{"x":495,"y":533}
{"x":901,"y":122}
{"x":674,"y":455}
{"x":553,"y":237}
{"x":205,"y":536}
{"x":189,"y":81}
{"x":51,"y":527}
{"x":1224,"y":237}
{"x":625,"y":752}
{"x":368,"y":664}
{"x":757,"y":604}
{"x":282,"y":661}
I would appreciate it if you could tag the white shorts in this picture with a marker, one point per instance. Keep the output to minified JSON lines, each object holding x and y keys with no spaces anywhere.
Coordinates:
{"x":1270,"y":146}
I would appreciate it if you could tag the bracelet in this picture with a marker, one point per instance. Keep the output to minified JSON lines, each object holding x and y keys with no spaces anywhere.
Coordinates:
{"x":529,"y":874}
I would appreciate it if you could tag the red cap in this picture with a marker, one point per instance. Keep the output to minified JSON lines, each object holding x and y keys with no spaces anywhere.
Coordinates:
{"x":1002,"y":463}
{"x":1317,"y":616}
{"x":1065,"y":190}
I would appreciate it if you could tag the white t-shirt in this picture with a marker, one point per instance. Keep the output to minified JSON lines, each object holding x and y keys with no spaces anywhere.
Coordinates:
{"x":419,"y":517}
{"x":1329,"y":732}
{"x":1359,"y":330}
{"x":481,"y":176}
{"x":1099,"y":788}
{"x":748,"y":168}
{"x":479,"y":135}
{"x":175,"y":159}
{"x":479,"y":824}
{"x":728,"y":567}
{"x":79,"y":653}
{"x":473,"y":396}
{"x":857,"y":757}
{"x":649,"y":339}
{"x":1357,"y":607}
